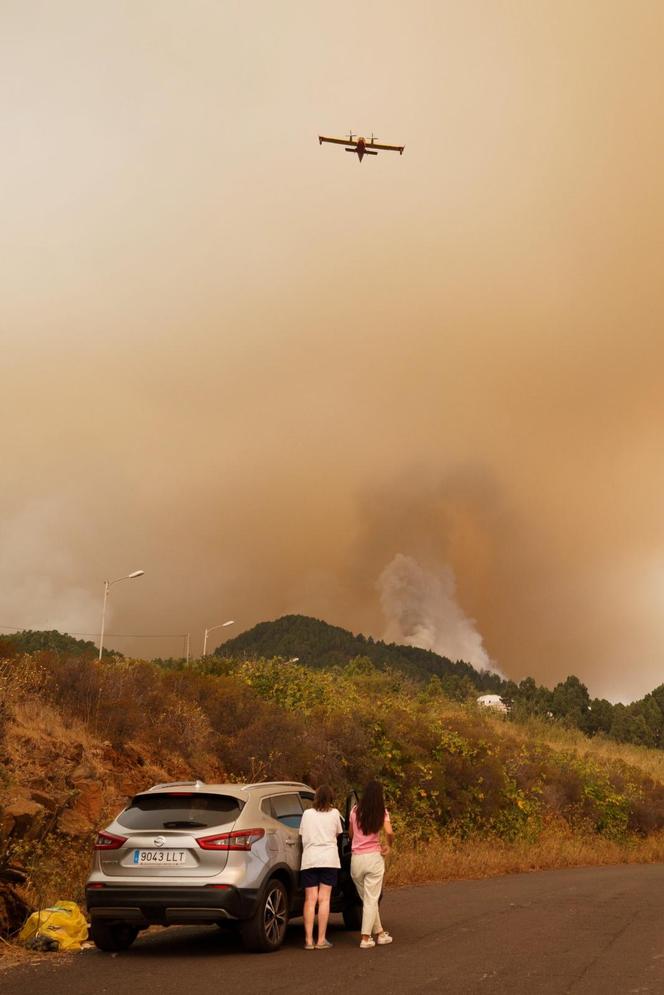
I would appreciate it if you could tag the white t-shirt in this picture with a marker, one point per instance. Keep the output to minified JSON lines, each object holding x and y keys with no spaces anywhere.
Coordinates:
{"x":319,"y":831}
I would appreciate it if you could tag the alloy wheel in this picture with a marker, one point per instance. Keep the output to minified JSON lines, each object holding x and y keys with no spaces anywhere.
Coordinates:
{"x":275,"y":916}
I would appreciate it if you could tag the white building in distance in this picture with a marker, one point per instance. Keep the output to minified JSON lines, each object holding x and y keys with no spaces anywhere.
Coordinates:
{"x":493,"y":701}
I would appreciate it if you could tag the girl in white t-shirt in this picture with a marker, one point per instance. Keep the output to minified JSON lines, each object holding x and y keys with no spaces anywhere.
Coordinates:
{"x":319,"y":829}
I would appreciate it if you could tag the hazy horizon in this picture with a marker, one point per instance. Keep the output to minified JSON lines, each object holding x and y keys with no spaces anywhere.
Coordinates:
{"x":417,"y":396}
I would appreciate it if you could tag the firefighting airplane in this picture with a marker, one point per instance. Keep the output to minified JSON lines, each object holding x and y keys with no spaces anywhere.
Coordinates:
{"x":360,"y":146}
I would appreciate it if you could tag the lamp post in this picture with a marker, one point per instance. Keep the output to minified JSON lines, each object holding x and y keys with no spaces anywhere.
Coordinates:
{"x":108,"y":584}
{"x":222,"y":625}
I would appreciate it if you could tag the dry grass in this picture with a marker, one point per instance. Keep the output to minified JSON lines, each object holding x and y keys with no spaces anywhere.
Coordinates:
{"x":565,"y":739}
{"x":450,"y":859}
{"x":39,"y":728}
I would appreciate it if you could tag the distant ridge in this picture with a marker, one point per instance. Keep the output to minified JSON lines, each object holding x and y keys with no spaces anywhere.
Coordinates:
{"x":318,"y":644}
{"x":39,"y":640}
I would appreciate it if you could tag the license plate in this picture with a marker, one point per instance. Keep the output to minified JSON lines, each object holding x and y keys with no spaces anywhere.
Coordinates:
{"x":160,"y":857}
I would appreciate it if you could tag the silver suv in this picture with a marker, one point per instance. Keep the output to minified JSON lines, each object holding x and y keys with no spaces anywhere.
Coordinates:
{"x":189,"y":852}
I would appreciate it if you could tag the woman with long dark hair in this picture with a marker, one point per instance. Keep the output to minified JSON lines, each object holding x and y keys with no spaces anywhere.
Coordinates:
{"x":367,"y":865}
{"x":319,"y":829}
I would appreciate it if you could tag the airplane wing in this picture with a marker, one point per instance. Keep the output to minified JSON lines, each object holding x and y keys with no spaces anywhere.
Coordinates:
{"x":335,"y":141}
{"x":386,"y":148}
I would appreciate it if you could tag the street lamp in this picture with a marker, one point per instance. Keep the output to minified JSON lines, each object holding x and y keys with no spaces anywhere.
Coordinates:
{"x":108,"y":584}
{"x":222,"y":625}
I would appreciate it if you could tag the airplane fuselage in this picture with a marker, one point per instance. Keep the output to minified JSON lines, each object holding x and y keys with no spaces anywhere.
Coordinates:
{"x":360,"y":148}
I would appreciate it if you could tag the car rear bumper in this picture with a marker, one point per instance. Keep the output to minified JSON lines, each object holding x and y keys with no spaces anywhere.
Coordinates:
{"x":147,"y":906}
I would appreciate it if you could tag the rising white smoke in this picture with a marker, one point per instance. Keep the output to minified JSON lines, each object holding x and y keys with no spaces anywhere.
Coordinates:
{"x":421,"y":609}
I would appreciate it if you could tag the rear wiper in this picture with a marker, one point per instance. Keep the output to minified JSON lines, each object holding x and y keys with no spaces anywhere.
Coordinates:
{"x":184,"y":824}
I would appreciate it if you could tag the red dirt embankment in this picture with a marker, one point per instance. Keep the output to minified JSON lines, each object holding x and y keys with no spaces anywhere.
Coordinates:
{"x":58,"y":785}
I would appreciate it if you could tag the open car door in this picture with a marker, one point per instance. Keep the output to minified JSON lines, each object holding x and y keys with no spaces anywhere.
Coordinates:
{"x":347,"y":899}
{"x":351,"y":801}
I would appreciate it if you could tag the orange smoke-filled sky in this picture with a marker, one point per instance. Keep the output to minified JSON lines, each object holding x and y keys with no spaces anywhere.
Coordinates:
{"x":260,"y":370}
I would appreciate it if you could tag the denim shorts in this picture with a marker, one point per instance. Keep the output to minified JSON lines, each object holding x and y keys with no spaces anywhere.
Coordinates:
{"x":311,"y":877}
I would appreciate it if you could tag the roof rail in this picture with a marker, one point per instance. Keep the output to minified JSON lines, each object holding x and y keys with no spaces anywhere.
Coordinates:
{"x":285,"y":784}
{"x":179,"y":784}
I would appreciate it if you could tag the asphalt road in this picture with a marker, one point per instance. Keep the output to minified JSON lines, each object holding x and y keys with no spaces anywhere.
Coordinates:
{"x":595,"y":930}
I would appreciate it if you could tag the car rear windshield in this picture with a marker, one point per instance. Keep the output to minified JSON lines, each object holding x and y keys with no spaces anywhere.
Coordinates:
{"x":180,"y":811}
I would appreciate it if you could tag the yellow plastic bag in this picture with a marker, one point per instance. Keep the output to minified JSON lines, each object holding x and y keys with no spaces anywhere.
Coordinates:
{"x":61,"y":927}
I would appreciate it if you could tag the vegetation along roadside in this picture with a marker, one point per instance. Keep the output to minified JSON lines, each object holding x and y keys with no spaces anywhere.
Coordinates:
{"x":473,"y":794}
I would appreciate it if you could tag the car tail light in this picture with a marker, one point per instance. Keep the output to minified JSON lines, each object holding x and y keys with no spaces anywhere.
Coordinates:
{"x":95,"y":884}
{"x":243,"y":839}
{"x":220,"y":887}
{"x":108,"y":841}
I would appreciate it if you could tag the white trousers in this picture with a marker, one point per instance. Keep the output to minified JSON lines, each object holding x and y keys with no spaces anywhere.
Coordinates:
{"x":367,"y":870}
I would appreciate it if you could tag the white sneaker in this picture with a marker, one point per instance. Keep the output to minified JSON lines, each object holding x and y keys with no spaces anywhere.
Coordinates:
{"x":365,"y":944}
{"x":383,"y":938}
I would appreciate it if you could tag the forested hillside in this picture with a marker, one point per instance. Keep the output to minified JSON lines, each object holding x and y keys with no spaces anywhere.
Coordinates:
{"x":34,"y":640}
{"x":318,"y":644}
{"x":321,"y":646}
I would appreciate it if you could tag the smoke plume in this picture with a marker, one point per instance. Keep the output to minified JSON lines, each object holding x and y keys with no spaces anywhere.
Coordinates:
{"x":421,"y":609}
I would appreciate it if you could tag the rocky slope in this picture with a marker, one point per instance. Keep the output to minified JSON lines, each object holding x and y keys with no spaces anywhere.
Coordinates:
{"x":58,"y":785}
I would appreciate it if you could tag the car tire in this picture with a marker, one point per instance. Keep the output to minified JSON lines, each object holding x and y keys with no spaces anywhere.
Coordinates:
{"x":266,"y":929}
{"x":352,"y":914}
{"x":112,"y":936}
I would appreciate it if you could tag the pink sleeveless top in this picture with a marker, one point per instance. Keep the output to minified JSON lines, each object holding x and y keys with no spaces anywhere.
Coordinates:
{"x":362,"y":843}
